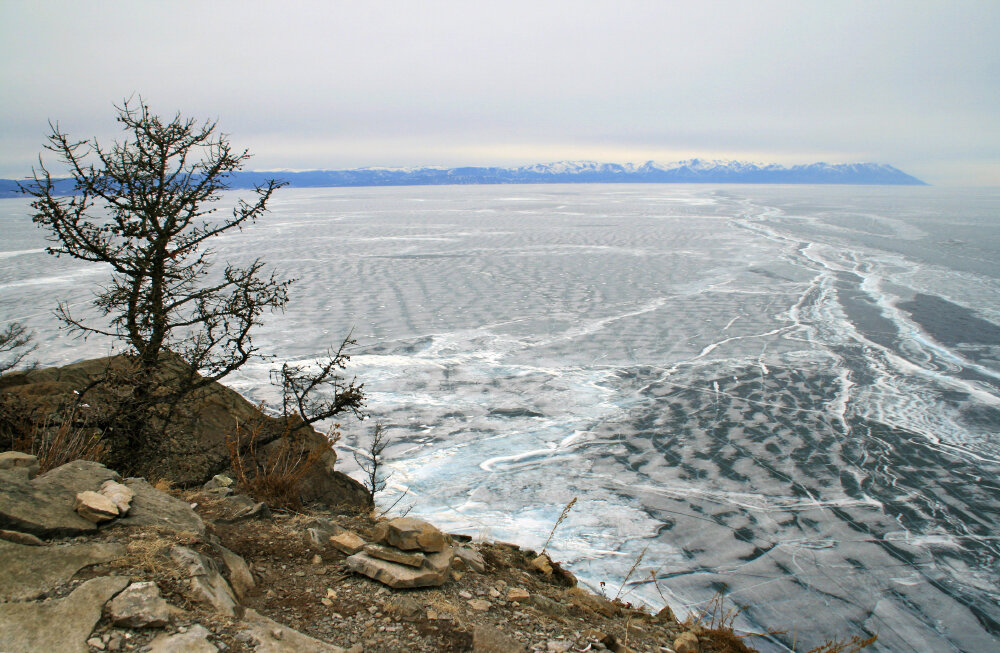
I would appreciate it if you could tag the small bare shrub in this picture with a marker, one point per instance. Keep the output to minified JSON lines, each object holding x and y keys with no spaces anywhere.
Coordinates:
{"x":15,"y":346}
{"x":631,"y":571}
{"x":276,"y":477}
{"x":371,"y":462}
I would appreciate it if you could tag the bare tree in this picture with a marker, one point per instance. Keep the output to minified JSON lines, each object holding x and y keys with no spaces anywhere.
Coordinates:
{"x":371,"y":461}
{"x":319,"y":393}
{"x":15,"y":346}
{"x":144,"y":206}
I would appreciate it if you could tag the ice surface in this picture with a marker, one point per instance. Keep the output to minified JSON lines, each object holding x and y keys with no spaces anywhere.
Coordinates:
{"x":787,"y":394}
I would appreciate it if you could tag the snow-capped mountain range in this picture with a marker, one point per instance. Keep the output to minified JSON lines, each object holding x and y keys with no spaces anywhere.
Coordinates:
{"x":692,"y":171}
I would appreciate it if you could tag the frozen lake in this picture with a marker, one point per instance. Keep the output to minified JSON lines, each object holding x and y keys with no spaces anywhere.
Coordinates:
{"x":790,"y":395}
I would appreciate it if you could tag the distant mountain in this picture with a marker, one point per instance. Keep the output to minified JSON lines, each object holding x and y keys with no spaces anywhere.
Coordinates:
{"x":693,"y":171}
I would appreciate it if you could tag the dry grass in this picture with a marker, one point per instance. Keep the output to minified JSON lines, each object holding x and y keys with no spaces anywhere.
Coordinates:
{"x":276,"y":477}
{"x":149,"y":551}
{"x":631,"y":571}
{"x":851,"y":645}
{"x":562,"y":516}
{"x":56,"y":443}
{"x":715,"y":621}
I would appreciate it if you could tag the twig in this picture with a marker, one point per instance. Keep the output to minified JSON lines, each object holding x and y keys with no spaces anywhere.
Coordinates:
{"x":630,"y":571}
{"x":562,"y":516}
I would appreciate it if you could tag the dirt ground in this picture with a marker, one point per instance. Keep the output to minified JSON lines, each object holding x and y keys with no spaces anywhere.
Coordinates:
{"x":309,"y":588}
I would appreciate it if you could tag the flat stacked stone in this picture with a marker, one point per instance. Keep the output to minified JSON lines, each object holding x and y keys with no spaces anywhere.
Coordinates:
{"x":407,"y":552}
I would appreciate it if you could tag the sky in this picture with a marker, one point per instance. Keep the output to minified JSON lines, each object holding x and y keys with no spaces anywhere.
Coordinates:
{"x":333,"y":85}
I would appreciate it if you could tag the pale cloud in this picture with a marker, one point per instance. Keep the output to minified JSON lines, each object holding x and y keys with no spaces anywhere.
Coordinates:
{"x":347,"y":84}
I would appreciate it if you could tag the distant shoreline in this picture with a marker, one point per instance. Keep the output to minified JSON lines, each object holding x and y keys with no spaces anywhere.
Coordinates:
{"x":694,"y":171}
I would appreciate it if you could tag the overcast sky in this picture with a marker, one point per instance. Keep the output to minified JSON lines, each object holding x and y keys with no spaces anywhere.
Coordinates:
{"x":349,"y":84}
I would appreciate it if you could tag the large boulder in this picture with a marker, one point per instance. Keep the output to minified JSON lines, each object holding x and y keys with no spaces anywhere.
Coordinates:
{"x":22,"y":461}
{"x":58,"y":626}
{"x":197,"y":451}
{"x":44,"y":506}
{"x":151,"y":507}
{"x":31,"y":571}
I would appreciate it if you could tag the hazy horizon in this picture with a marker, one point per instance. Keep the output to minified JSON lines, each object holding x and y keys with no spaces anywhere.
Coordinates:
{"x":311,"y":85}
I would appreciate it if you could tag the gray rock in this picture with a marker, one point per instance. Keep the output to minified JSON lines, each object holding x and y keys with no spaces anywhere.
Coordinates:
{"x":392,"y":554}
{"x":316,"y":538}
{"x":487,"y":639}
{"x":218,"y":481}
{"x":44,"y":505}
{"x":95,"y":507}
{"x":139,"y":606}
{"x":273,"y":637}
{"x":405,"y":608}
{"x":253,"y":511}
{"x":151,"y":507}
{"x":17,"y":537}
{"x":206,"y":584}
{"x":240,"y":578}
{"x":547,"y":605}
{"x":326,"y":526}
{"x":58,"y":626}
{"x":195,"y":640}
{"x":31,"y":571}
{"x":18,"y":460}
{"x":471,"y":558}
{"x":120,"y":495}
{"x":319,"y":532}
{"x":238,"y":503}
{"x":409,"y":534}
{"x":433,"y":573}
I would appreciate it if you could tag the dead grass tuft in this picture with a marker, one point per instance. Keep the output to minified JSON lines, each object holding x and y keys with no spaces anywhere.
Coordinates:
{"x":276,"y":477}
{"x":851,"y":645}
{"x":57,"y":441}
{"x":149,"y":552}
{"x":562,"y":516}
